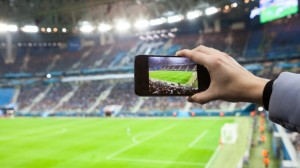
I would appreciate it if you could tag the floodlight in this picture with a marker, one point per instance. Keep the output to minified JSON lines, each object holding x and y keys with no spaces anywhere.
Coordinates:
{"x":48,"y":76}
{"x":55,"y":29}
{"x":43,"y":29}
{"x":194,"y":14}
{"x":211,"y":10}
{"x":12,"y":28}
{"x":123,"y":26}
{"x":49,"y":30}
{"x":103,"y":27}
{"x":64,"y":30}
{"x":159,"y":21}
{"x":3,"y":27}
{"x":30,"y":29}
{"x":234,"y":5}
{"x":86,"y":28}
{"x":260,"y":109}
{"x":175,"y":18}
{"x":141,"y":24}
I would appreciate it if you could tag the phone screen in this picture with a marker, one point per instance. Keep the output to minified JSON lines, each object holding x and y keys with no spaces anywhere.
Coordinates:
{"x":172,"y":76}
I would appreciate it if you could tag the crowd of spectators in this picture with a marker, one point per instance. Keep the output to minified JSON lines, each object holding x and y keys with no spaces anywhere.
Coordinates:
{"x":163,"y":103}
{"x":179,"y":67}
{"x":84,"y":97}
{"x":122,"y":95}
{"x":28,"y":94}
{"x":159,"y":87}
{"x":53,"y":97}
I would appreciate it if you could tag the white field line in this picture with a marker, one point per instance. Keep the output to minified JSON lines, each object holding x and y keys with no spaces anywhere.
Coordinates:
{"x":213,"y":157}
{"x":160,"y":161}
{"x":198,"y":138}
{"x":134,"y":138}
{"x":135,"y":144}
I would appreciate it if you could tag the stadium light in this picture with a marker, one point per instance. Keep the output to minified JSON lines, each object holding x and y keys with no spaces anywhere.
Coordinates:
{"x":49,"y":30}
{"x":141,"y":24}
{"x":55,"y":29}
{"x":103,"y":27}
{"x":211,"y":11}
{"x":12,"y":28}
{"x":227,"y":7}
{"x":64,"y":30}
{"x":123,"y":26}
{"x":260,"y":109}
{"x":194,"y":14}
{"x":159,"y":21}
{"x":30,"y":29}
{"x":5,"y":27}
{"x":43,"y":29}
{"x":48,"y":76}
{"x":175,"y":18}
{"x":86,"y":28}
{"x":234,"y":5}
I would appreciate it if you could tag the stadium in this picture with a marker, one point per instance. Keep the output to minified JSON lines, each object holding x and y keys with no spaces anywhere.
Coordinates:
{"x":167,"y":76}
{"x":67,"y":85}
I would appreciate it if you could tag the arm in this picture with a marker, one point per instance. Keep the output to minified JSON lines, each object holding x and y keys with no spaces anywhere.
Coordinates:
{"x":231,"y":82}
{"x":285,"y":101}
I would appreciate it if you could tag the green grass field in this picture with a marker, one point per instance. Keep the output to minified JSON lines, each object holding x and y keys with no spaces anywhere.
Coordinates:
{"x":181,"y":77}
{"x":108,"y":143}
{"x":273,"y":12}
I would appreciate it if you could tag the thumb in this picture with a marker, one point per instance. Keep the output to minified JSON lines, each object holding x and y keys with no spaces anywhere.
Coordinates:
{"x":202,"y":97}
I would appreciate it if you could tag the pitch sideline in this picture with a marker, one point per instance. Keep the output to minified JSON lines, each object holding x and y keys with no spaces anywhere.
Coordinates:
{"x":213,"y":157}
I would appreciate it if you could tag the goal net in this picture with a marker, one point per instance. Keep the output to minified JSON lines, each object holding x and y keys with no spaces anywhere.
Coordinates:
{"x":229,"y":133}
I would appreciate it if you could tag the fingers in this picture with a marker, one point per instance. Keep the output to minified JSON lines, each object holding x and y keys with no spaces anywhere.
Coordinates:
{"x":206,"y":50}
{"x":202,"y":97}
{"x":198,"y":57}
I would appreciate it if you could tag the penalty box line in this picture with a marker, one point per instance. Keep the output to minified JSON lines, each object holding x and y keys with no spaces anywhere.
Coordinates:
{"x":135,"y":144}
{"x":198,"y":138}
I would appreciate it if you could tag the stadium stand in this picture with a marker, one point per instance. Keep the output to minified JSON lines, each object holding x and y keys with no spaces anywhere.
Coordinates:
{"x":28,"y":94}
{"x":52,"y":98}
{"x":115,"y":55}
{"x":85,"y":96}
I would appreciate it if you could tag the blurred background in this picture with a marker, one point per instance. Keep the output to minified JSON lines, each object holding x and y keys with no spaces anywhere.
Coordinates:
{"x":67,"y":92}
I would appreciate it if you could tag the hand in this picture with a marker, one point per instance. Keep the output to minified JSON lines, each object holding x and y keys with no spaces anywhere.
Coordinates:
{"x":229,"y":80}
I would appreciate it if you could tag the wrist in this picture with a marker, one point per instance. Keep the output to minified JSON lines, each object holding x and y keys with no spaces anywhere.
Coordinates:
{"x":258,"y":90}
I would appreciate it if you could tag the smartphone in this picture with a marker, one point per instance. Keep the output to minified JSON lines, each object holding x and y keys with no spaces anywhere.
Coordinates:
{"x":157,"y":75}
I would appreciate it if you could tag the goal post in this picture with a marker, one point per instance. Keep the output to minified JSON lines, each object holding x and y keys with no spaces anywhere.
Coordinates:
{"x":229,"y":133}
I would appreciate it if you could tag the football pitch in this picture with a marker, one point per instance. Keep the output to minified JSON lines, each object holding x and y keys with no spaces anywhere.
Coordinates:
{"x":181,"y":77}
{"x":119,"y":143}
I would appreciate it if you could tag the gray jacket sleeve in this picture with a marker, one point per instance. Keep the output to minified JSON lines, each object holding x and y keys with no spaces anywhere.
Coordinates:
{"x":284,"y":106}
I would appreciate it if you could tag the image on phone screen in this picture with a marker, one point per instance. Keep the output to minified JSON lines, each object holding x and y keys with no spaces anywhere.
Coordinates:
{"x":172,"y":76}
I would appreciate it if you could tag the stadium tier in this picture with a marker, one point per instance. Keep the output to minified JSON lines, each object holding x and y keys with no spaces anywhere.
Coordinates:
{"x":265,"y":42}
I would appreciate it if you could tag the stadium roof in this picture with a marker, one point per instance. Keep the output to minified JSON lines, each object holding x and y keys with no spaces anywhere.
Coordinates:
{"x":71,"y":12}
